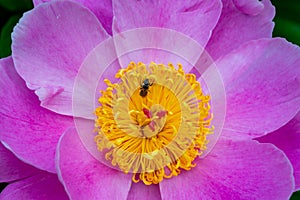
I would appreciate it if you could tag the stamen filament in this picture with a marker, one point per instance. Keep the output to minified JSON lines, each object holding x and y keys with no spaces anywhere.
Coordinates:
{"x":153,"y":122}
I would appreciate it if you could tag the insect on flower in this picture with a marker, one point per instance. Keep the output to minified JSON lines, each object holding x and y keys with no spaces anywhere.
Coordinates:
{"x":145,"y":87}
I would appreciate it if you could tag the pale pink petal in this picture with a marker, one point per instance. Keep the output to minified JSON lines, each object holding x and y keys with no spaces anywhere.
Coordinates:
{"x":11,"y":168}
{"x":235,"y":170}
{"x":240,"y":21}
{"x":42,"y":186}
{"x":30,"y":131}
{"x":48,"y":46}
{"x":102,"y":9}
{"x":146,"y":192}
{"x":287,"y":138}
{"x":262,"y":80}
{"x":194,"y":19}
{"x":83,"y":176}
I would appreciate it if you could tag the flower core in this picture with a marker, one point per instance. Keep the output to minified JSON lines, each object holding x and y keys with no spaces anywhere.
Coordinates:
{"x":153,"y":122}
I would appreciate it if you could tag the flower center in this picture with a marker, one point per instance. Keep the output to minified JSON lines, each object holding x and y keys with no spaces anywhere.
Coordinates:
{"x":153,"y":122}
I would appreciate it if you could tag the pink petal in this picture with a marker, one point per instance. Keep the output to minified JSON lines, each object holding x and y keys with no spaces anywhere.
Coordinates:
{"x":250,"y":7}
{"x":240,"y":21}
{"x":195,"y":19}
{"x":146,"y":192}
{"x":235,"y":170}
{"x":30,"y":131}
{"x":100,"y":64}
{"x":12,"y":168}
{"x":48,"y":46}
{"x":153,"y":44}
{"x":262,"y":80}
{"x":83,"y":176}
{"x":102,"y":9}
{"x":287,"y":138}
{"x":42,"y":186}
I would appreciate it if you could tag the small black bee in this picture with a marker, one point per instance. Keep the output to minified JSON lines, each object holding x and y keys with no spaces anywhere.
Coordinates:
{"x":145,"y":87}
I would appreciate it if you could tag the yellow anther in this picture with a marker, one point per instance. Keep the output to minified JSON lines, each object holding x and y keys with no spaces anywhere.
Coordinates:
{"x":157,"y":134}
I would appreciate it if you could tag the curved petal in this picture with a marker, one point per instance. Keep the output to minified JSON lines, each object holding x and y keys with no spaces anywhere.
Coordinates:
{"x":142,"y":191}
{"x":48,"y":46}
{"x":102,"y":9}
{"x":41,"y":186}
{"x":100,"y":64}
{"x":250,"y":7}
{"x":194,"y":19}
{"x":262,"y":80}
{"x":30,"y":131}
{"x":12,"y":168}
{"x":240,"y":22}
{"x":287,"y":138}
{"x":83,"y":176}
{"x":235,"y":170}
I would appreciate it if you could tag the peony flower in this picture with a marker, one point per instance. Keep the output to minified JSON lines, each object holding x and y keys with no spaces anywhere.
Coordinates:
{"x":222,"y":124}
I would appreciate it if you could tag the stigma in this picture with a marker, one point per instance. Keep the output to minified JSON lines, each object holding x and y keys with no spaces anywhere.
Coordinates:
{"x":153,"y":121}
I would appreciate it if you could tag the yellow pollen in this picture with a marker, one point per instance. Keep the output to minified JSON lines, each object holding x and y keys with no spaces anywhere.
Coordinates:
{"x":153,"y":122}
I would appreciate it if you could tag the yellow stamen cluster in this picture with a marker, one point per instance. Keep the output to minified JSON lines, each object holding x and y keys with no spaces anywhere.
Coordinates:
{"x":153,"y":136}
